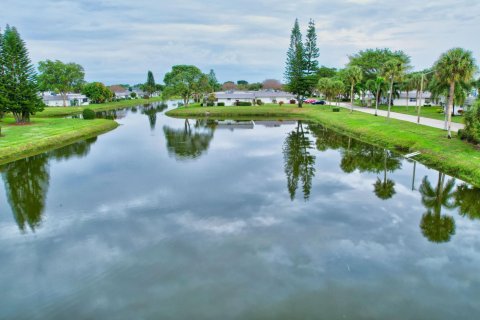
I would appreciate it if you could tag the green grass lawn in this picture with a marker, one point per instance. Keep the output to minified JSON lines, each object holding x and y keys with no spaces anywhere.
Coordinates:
{"x":427,"y":112}
{"x":455,"y":157}
{"x":42,"y":134}
{"x":67,"y":111}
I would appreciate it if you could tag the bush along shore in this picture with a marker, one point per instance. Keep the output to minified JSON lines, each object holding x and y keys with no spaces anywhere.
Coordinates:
{"x":452,"y":156}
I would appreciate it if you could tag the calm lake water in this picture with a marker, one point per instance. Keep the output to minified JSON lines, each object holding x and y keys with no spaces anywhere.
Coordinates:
{"x":171,"y":219}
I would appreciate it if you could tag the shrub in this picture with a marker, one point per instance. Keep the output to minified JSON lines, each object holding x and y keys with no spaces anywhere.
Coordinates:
{"x":259,"y":102}
{"x":293,"y":101}
{"x":88,"y":114}
{"x":472,"y":124}
{"x":281,"y":103}
{"x":244,"y":104}
{"x":221,"y":104}
{"x":210,"y":104}
{"x":336,"y":109}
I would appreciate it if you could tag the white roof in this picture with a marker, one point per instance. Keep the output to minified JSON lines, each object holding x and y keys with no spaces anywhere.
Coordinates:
{"x":253,"y":95}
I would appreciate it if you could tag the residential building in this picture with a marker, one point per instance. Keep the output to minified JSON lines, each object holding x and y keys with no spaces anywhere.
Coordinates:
{"x":72,"y":99}
{"x":229,"y":98}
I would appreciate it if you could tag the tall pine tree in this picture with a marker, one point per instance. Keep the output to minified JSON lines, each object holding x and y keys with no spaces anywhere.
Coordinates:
{"x":2,"y":95}
{"x":212,"y":81}
{"x":312,"y":53}
{"x":19,"y":88}
{"x":150,"y":86}
{"x":295,"y":74}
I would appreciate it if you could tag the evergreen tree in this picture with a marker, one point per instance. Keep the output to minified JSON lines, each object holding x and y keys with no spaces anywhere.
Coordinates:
{"x":295,"y":74}
{"x":312,"y":53}
{"x":150,"y":86}
{"x":19,"y":88}
{"x":2,"y":95}
{"x":212,"y":81}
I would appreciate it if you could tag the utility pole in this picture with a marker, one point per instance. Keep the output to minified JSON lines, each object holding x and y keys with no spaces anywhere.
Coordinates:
{"x":421,"y":95}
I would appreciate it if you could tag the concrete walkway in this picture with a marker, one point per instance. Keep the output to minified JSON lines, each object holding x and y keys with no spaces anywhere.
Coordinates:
{"x":440,"y":124}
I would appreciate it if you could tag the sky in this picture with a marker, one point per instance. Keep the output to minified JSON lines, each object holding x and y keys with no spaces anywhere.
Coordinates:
{"x":118,"y":41}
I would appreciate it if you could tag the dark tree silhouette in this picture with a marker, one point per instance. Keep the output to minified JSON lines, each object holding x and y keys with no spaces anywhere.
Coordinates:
{"x":188,"y":143}
{"x":79,"y":149}
{"x":26,"y":185}
{"x":151,"y":112}
{"x":468,"y":201}
{"x":384,"y":189}
{"x":435,"y":227}
{"x":299,"y":163}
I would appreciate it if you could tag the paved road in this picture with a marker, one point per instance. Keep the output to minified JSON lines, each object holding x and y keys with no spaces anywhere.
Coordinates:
{"x":405,"y":117}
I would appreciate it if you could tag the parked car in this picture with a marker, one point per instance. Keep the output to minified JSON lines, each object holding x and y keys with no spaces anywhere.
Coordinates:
{"x":322,"y":102}
{"x":312,"y":101}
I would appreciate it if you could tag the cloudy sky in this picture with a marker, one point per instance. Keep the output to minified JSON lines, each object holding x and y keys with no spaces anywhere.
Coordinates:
{"x":117,"y":41}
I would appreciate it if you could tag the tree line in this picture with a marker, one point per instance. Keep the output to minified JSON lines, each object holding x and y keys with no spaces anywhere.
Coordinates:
{"x":379,"y":73}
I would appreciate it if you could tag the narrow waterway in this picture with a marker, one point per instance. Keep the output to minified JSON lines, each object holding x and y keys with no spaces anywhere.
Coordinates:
{"x":198,"y":219}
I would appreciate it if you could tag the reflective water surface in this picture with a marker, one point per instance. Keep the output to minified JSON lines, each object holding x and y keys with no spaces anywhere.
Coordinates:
{"x":201,"y":219}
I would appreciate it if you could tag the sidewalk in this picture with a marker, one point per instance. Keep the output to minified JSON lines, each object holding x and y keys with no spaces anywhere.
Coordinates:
{"x":406,"y":117}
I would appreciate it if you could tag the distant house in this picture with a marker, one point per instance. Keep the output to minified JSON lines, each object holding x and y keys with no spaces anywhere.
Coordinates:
{"x":426,"y":99}
{"x":73,"y":100}
{"x":120,"y":92}
{"x":122,"y":95}
{"x":230,"y":98}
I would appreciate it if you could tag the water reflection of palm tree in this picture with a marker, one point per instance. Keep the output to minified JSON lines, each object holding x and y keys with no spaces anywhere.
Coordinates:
{"x":435,"y":227}
{"x":26,"y":185}
{"x":189,"y":143}
{"x":298,"y":162}
{"x":384,"y":189}
{"x":468,"y":201}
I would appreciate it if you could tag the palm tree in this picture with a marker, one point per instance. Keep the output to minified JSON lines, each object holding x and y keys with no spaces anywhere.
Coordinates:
{"x":337,"y":87}
{"x":435,"y":227}
{"x":407,"y":85}
{"x":454,"y":66}
{"x":384,"y":189}
{"x":379,"y":85}
{"x":393,"y":70}
{"x":353,"y":75}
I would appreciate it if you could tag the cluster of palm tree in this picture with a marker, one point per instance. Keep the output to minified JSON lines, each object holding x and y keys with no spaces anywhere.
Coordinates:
{"x":383,"y":73}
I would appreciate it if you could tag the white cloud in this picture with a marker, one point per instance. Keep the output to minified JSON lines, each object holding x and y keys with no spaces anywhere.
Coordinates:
{"x":118,"y":41}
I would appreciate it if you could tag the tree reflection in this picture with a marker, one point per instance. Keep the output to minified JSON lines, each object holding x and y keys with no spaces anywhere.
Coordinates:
{"x":79,"y":149}
{"x":364,"y":157}
{"x":298,"y":161}
{"x":151,"y":112}
{"x":468,"y":201}
{"x":436,"y":227}
{"x":385,"y":189}
{"x":189,"y":142}
{"x":27,"y":180}
{"x":26,"y":185}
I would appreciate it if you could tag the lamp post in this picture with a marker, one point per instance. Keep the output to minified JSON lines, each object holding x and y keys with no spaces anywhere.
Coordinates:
{"x":421,"y":94}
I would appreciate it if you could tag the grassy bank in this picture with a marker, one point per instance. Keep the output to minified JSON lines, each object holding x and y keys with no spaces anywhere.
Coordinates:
{"x":67,"y":111}
{"x":19,"y":141}
{"x":427,"y":112}
{"x":454,"y":157}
